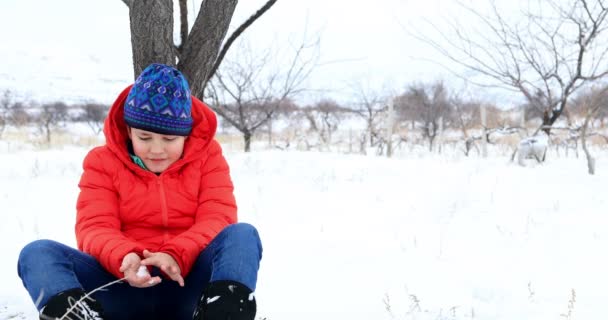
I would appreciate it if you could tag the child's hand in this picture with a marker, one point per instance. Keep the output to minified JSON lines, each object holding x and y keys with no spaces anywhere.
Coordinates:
{"x":166,"y":263}
{"x":130,"y":267}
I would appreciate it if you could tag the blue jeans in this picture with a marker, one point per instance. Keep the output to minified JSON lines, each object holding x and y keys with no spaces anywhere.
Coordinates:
{"x":47,"y":268}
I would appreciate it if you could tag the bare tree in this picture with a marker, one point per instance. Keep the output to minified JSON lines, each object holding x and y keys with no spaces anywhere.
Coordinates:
{"x":247,"y":93}
{"x":199,"y":52}
{"x":426,"y":105}
{"x":284,"y":111}
{"x":370,"y":106}
{"x":602,"y":114}
{"x":5,"y":104}
{"x":466,"y":115}
{"x":94,"y":115}
{"x":323,"y":119}
{"x":51,"y":116}
{"x":591,"y":102}
{"x":18,"y":115}
{"x":558,"y":47}
{"x":534,"y":106}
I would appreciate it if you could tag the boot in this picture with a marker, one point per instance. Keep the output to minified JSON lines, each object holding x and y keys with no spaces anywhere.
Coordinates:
{"x":59,"y":305}
{"x":226,"y":300}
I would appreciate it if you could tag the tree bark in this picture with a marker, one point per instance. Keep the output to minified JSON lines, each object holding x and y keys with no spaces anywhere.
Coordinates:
{"x":590,"y":158}
{"x":247,"y":139}
{"x":151,"y":17}
{"x":201,"y":50}
{"x":129,"y":3}
{"x":270,"y":133}
{"x":183,"y":17}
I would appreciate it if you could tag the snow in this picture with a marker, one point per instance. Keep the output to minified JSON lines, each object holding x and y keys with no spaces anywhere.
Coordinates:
{"x":421,"y":236}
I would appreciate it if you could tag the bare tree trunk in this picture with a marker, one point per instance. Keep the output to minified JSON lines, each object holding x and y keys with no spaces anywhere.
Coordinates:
{"x":197,"y":56}
{"x":247,"y":139}
{"x":47,"y":130}
{"x":270,"y":133}
{"x":484,"y":125}
{"x":440,"y":134}
{"x":2,"y":126}
{"x":389,"y":127}
{"x":590,"y":158}
{"x":370,"y":132}
{"x":204,"y":43}
{"x":183,"y":28}
{"x":151,"y":33}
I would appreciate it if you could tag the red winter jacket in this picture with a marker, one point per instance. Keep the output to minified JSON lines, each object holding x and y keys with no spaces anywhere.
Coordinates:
{"x":123,"y":208}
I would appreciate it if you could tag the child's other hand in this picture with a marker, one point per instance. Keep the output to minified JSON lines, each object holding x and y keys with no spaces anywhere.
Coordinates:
{"x":166,"y":263}
{"x":130,"y":265}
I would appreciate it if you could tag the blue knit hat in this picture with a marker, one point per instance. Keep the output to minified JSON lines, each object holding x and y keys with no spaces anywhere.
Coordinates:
{"x":160,"y":102}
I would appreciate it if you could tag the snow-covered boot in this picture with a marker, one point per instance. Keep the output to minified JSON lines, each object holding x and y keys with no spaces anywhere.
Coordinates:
{"x":58,"y":306}
{"x":226,"y":300}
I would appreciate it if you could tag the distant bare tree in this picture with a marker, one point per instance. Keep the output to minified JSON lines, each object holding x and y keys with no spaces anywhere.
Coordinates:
{"x":591,"y":102}
{"x":285,"y":110}
{"x":370,"y":106}
{"x":426,"y":105}
{"x":559,"y":47}
{"x":51,"y":116}
{"x":5,"y":105}
{"x":18,"y":115}
{"x":602,"y":114}
{"x":580,"y":105}
{"x":466,"y":115}
{"x":94,"y":115}
{"x":200,"y":51}
{"x":247,"y":93}
{"x":323,"y":120}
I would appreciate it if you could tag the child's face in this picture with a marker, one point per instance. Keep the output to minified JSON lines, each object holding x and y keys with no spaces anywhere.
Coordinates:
{"x":157,"y":151}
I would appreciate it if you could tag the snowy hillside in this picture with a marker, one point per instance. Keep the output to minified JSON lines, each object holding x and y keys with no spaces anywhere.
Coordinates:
{"x":361,"y":238}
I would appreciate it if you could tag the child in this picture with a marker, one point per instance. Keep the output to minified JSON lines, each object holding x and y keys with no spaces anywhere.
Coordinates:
{"x":157,"y":195}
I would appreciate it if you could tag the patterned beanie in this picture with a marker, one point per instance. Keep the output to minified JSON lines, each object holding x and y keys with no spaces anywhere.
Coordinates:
{"x":160,"y":102}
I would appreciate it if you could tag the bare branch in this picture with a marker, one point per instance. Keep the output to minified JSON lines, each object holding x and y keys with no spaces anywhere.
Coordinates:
{"x":255,"y":90}
{"x":183,"y":30}
{"x":129,"y":3}
{"x":556,"y":52}
{"x":235,"y":35}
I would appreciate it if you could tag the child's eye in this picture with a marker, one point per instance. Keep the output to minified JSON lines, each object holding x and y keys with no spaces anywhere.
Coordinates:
{"x":144,"y":139}
{"x":170,"y":139}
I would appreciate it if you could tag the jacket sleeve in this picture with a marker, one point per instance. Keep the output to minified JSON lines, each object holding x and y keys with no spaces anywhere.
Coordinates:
{"x":97,"y":222}
{"x":216,"y":210}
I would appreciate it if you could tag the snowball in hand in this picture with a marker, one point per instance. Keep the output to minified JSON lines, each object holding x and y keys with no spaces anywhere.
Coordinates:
{"x":142,"y":271}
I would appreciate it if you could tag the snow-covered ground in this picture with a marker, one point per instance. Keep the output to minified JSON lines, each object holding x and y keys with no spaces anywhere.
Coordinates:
{"x":367,"y":238}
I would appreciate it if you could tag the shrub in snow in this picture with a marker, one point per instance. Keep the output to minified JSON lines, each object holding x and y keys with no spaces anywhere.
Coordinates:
{"x":532,"y":148}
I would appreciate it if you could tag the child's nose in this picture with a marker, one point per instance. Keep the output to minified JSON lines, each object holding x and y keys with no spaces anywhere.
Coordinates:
{"x":156,"y":147}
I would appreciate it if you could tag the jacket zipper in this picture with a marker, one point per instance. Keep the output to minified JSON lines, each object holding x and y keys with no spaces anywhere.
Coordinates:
{"x":164,"y":212}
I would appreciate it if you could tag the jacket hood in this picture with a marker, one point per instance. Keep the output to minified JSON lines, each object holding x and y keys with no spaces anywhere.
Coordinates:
{"x":203,"y":130}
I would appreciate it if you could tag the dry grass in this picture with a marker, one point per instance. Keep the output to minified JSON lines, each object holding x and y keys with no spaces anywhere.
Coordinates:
{"x":59,"y":138}
{"x":30,"y":137}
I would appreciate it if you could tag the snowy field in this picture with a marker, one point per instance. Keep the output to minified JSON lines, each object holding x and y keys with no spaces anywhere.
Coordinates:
{"x":367,"y":238}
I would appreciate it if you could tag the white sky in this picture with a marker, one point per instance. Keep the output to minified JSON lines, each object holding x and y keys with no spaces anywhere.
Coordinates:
{"x":81,"y":49}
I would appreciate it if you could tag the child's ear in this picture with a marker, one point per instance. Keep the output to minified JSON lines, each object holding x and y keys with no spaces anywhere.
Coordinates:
{"x":128,"y":131}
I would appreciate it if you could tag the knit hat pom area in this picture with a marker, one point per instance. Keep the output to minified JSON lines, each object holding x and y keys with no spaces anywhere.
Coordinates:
{"x":160,"y":102}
